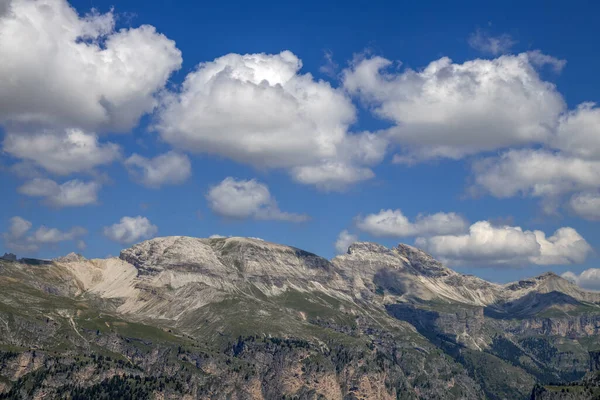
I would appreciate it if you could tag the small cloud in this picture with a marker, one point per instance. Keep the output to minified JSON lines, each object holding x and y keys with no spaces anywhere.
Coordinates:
{"x":73,"y":193}
{"x":482,"y":41}
{"x":330,"y":67}
{"x":242,"y":199}
{"x":130,"y":229}
{"x":171,"y":168}
{"x":19,"y":237}
{"x":61,"y":152}
{"x":393,"y":223}
{"x":540,"y":59}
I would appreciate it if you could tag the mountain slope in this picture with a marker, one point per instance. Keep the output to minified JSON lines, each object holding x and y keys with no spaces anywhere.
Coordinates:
{"x":245,"y":318}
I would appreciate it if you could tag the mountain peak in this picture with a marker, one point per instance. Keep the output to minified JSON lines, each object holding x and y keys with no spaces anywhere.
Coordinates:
{"x":225,"y":259}
{"x":9,"y":257}
{"x":545,"y":283}
{"x":170,"y":252}
{"x":71,"y":257}
{"x":548,"y":275}
{"x":367,"y":247}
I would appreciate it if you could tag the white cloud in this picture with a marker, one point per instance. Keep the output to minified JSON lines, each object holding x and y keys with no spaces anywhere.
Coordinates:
{"x":536,"y":173}
{"x":588,"y":279}
{"x":18,"y":239}
{"x":508,"y":245}
{"x":240,"y":199}
{"x":45,"y":235}
{"x":61,"y":153}
{"x":330,"y":67}
{"x":216,"y":236}
{"x":482,"y":41}
{"x":18,"y":227}
{"x":331,"y":176}
{"x":166,"y":169}
{"x":62,"y":70}
{"x":344,"y":240}
{"x":578,"y":132}
{"x":586,"y":205}
{"x":73,"y":193}
{"x":394,"y":223}
{"x":540,"y":59}
{"x":258,"y":109}
{"x":453,"y":110}
{"x":565,"y":246}
{"x":39,"y":187}
{"x":570,"y":163}
{"x":130,"y":229}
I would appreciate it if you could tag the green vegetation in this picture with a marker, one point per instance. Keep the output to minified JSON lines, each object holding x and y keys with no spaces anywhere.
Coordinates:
{"x":498,"y":379}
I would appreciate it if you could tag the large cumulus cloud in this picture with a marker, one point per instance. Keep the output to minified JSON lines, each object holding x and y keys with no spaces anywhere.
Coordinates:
{"x":451,"y":110}
{"x":65,"y":70}
{"x":258,"y":109}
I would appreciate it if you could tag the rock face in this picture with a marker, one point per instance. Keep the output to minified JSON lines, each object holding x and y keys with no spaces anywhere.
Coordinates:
{"x":244,"y":318}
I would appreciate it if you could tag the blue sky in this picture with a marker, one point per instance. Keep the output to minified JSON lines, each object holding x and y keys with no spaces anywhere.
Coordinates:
{"x":492,"y":148}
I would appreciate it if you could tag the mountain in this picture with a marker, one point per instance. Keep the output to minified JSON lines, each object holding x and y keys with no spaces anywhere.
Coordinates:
{"x":242,"y":318}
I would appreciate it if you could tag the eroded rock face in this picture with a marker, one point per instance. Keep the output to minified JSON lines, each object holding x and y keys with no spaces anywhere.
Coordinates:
{"x":244,"y":257}
{"x":407,"y":273}
{"x":565,"y":326}
{"x":176,"y":253}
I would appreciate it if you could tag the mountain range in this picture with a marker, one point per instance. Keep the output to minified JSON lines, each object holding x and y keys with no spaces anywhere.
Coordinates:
{"x":242,"y":318}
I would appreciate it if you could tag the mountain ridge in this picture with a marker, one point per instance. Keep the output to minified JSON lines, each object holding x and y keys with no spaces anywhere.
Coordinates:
{"x":407,"y":316}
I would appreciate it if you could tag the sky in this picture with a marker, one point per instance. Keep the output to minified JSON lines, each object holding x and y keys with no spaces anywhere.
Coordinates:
{"x":469,"y":130}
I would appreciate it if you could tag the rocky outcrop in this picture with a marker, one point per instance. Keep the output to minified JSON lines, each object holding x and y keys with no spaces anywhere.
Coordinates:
{"x":9,"y":257}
